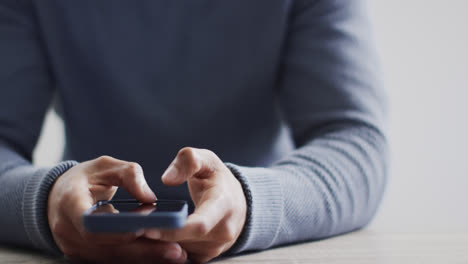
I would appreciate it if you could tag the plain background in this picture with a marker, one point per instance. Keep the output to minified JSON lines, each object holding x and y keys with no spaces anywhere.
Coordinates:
{"x":423,"y":46}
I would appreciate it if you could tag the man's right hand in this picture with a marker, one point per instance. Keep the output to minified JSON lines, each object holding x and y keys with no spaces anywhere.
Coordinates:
{"x":82,"y":186}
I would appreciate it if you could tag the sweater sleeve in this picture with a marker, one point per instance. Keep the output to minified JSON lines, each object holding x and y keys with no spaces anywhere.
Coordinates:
{"x":332,"y":99}
{"x":25,"y":94}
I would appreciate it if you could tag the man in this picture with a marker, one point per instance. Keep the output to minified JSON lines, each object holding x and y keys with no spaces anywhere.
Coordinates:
{"x":281,"y":101}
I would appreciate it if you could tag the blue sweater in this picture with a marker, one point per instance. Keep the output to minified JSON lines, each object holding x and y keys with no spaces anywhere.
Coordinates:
{"x":287,"y":93}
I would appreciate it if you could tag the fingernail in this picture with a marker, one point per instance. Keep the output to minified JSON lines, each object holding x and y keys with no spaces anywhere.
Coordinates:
{"x":153,"y":234}
{"x":173,"y":253}
{"x":183,"y":256}
{"x":170,"y":173}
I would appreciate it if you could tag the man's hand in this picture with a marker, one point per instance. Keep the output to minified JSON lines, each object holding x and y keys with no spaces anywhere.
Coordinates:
{"x":81,"y":187}
{"x":219,"y":200}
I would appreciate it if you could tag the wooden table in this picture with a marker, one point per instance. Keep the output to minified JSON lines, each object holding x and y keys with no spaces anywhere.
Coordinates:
{"x":367,"y":246}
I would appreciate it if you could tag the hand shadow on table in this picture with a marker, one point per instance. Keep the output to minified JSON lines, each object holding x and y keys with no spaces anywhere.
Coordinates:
{"x":12,"y":254}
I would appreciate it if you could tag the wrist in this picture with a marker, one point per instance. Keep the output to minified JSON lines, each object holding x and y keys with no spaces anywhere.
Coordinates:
{"x":248,"y":208}
{"x":264,"y":195}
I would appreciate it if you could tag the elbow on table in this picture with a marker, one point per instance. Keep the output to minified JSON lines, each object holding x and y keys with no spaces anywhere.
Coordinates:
{"x":375,"y":195}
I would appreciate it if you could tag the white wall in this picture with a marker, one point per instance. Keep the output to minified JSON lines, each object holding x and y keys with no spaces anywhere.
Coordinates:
{"x":423,"y":45}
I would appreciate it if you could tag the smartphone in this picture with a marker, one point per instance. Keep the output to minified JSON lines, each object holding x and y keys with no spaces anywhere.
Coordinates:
{"x":119,"y":216}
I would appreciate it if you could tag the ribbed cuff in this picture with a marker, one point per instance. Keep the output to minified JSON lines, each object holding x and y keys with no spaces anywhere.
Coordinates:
{"x":35,"y":206}
{"x":264,"y":197}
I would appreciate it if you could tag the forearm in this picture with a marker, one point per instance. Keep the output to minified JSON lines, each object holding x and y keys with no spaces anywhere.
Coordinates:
{"x":23,"y":200}
{"x":11,"y":194}
{"x":331,"y":185}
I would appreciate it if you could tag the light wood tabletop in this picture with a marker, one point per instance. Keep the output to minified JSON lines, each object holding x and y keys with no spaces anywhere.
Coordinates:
{"x":366,"y":246}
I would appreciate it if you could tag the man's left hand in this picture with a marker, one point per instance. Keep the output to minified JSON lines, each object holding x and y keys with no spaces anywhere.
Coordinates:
{"x":220,"y":205}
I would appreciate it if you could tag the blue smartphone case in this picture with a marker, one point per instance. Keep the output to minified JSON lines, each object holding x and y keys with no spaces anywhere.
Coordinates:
{"x":132,"y":222}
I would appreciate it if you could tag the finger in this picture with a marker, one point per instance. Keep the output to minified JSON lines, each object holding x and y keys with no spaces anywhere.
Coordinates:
{"x":139,"y":251}
{"x":190,"y":162}
{"x":104,"y":239}
{"x":150,"y":249}
{"x":128,"y":175}
{"x":102,"y":192}
{"x":77,"y":207}
{"x":198,"y":226}
{"x":109,"y":238}
{"x":203,"y":248}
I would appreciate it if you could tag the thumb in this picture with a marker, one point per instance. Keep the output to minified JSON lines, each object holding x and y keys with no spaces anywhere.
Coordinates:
{"x":128,"y":175}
